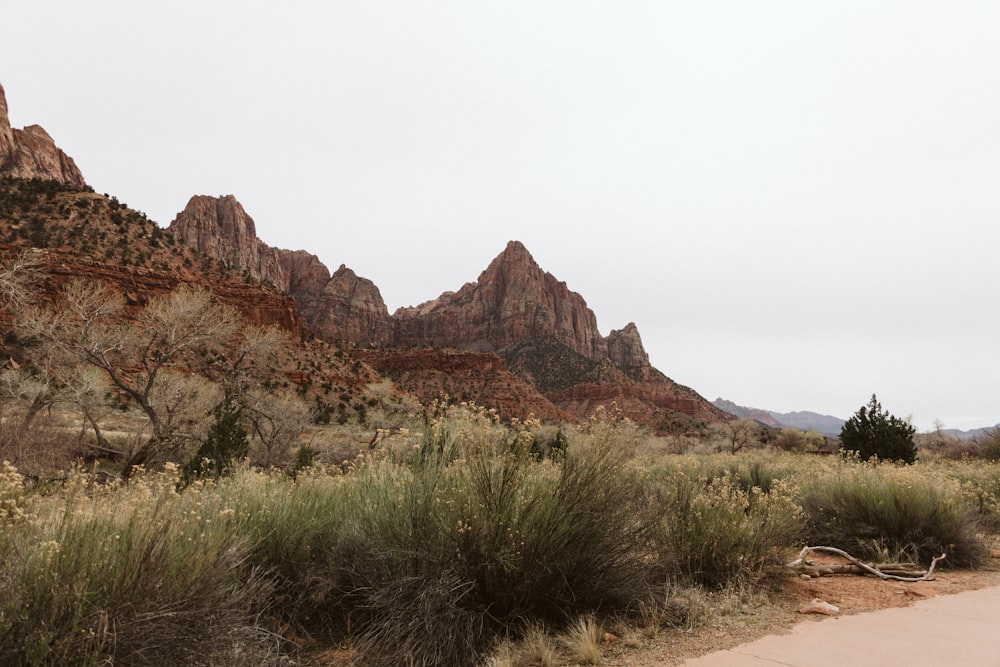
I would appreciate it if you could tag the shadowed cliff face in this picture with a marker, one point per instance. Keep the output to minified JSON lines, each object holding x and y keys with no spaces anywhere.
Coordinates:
{"x":31,"y":153}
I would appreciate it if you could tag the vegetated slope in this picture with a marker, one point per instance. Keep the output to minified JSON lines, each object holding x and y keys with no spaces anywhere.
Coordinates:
{"x":77,"y":234}
{"x":483,"y":378}
{"x":81,"y":234}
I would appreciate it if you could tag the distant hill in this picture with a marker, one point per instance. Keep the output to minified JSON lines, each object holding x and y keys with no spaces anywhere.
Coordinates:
{"x":967,"y":435}
{"x":802,"y":420}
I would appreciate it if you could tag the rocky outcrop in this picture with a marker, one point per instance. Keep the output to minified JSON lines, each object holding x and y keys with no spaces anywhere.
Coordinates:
{"x":341,"y":307}
{"x":31,"y":153}
{"x":625,"y":348}
{"x":512,"y":301}
{"x":221,"y":228}
{"x":349,"y":308}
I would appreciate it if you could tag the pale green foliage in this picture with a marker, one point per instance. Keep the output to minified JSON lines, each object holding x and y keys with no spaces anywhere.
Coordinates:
{"x":715,"y":528}
{"x":432,"y":555}
{"x":869,"y":509}
{"x":124,"y":575}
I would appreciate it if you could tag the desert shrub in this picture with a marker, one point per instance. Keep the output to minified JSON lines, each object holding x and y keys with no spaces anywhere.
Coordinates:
{"x":140,"y":576}
{"x":12,"y":495}
{"x":481,"y":526}
{"x":939,"y":445}
{"x":980,"y":486}
{"x":794,"y":440}
{"x":293,"y":528}
{"x":987,"y":445}
{"x":874,"y":510}
{"x":749,"y":472}
{"x":713,"y":531}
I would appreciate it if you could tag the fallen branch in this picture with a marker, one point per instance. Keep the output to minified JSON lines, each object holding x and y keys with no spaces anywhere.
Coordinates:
{"x":889,"y":572}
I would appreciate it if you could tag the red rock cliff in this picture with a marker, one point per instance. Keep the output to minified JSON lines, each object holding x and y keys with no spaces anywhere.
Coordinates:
{"x":340,"y":307}
{"x":513,"y":300}
{"x":31,"y":153}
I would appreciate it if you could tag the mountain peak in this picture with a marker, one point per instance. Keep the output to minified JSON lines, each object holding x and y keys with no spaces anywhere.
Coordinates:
{"x":31,"y":153}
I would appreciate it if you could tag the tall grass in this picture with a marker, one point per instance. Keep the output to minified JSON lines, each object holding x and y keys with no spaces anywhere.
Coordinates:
{"x":436,"y":553}
{"x":879,"y":510}
{"x":481,"y":527}
{"x":715,"y":526}
{"x":980,"y":486}
{"x":143,"y":577}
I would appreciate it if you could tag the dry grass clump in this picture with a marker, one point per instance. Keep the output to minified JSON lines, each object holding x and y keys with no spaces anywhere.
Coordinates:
{"x":716,"y":526}
{"x":135,"y":576}
{"x":582,"y":641}
{"x":879,"y":510}
{"x":536,"y":649}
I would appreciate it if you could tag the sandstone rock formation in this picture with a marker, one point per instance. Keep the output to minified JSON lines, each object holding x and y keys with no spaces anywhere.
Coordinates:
{"x":512,"y":301}
{"x":349,"y":308}
{"x":221,"y":228}
{"x":553,"y":361}
{"x":342,"y":307}
{"x":549,"y":337}
{"x":31,"y":153}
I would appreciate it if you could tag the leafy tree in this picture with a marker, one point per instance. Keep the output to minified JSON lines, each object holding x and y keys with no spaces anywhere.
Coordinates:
{"x":873,"y":432}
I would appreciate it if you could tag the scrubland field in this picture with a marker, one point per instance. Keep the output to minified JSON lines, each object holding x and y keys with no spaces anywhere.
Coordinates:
{"x":458,"y":540}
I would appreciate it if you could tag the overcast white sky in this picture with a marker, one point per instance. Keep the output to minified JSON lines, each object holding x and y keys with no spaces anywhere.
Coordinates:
{"x":796,"y":202}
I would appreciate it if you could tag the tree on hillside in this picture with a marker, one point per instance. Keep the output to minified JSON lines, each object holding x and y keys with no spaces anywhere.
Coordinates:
{"x":19,"y":279}
{"x":275,"y":420}
{"x":136,"y":355}
{"x":738,"y":434}
{"x":873,"y":432}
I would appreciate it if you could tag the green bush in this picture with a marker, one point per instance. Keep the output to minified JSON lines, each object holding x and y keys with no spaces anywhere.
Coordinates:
{"x":879,"y":510}
{"x":874,"y":433}
{"x":225,"y":445}
{"x":293,"y":528}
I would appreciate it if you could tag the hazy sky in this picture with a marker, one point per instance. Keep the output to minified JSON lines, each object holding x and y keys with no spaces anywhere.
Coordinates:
{"x":796,"y":202}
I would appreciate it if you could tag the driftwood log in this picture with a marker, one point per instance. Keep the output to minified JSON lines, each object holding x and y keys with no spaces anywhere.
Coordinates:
{"x":885,"y":571}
